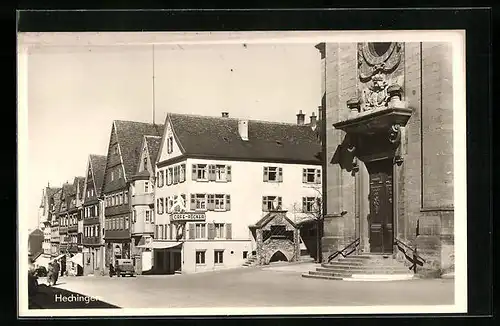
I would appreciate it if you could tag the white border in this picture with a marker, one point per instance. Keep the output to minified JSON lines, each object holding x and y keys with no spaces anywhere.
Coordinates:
{"x":457,"y":38}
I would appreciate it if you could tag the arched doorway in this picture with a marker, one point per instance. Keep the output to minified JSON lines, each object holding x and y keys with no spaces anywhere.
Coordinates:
{"x":278,"y":256}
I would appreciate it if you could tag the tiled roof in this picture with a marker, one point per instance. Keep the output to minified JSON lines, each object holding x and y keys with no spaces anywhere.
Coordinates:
{"x":57,"y":201}
{"x":269,"y":216}
{"x":98,"y":163}
{"x":153,"y":147}
{"x":130,"y":135}
{"x":69,"y":189}
{"x":267,"y":141}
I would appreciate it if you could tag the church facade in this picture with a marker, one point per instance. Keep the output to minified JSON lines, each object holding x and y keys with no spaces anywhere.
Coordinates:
{"x":388,"y":138}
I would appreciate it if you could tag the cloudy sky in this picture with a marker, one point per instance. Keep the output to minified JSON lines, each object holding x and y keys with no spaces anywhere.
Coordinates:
{"x":76,"y":90}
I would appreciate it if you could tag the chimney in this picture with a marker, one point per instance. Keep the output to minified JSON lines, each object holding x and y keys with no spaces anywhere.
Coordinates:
{"x":243,"y":129}
{"x":313,"y":119}
{"x":300,"y":118}
{"x":225,"y":114}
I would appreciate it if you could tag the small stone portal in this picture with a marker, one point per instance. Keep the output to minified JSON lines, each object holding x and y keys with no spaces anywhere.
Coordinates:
{"x":277,"y":238}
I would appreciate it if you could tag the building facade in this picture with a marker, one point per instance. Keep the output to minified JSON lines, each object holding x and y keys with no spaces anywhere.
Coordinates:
{"x":388,"y":112}
{"x":142,"y":185}
{"x":45,"y":217}
{"x":225,"y":174}
{"x":93,"y":217}
{"x":121,"y":164}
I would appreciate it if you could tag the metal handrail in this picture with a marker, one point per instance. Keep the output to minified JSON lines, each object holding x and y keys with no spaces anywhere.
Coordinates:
{"x":355,"y":243}
{"x":415,"y":259}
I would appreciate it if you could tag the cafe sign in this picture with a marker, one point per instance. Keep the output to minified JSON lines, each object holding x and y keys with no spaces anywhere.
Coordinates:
{"x":187,"y":217}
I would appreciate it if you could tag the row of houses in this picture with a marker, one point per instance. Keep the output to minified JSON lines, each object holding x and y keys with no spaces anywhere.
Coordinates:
{"x":183,"y":196}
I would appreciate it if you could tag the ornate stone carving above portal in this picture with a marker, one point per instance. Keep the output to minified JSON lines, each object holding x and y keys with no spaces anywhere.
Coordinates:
{"x":380,"y":73}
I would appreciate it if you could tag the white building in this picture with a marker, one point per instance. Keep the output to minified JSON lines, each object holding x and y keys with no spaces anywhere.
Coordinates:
{"x":226,"y":174}
{"x":45,"y":214}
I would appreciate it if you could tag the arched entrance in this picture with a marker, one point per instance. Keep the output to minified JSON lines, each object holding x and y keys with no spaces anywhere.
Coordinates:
{"x":278,"y":256}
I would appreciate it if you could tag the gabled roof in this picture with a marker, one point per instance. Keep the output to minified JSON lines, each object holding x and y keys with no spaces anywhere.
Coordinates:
{"x":153,"y":147}
{"x":36,"y":232}
{"x":270,"y":216}
{"x":80,"y":181}
{"x":69,"y":189}
{"x":98,"y":165}
{"x":57,"y":202}
{"x":218,"y":137}
{"x":130,"y":135}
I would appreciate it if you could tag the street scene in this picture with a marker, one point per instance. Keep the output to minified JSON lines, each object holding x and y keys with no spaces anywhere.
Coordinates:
{"x":243,"y":174}
{"x":272,"y":286}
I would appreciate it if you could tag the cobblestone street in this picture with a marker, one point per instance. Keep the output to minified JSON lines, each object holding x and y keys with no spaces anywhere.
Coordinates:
{"x":253,"y":287}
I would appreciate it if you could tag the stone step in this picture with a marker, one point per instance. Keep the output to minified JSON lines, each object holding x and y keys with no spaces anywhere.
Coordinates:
{"x":330,"y":274}
{"x":365,"y":270}
{"x":321,"y":277}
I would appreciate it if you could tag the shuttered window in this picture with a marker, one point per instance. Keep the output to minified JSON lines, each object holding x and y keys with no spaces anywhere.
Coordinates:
{"x":273,"y":174}
{"x":270,"y":203}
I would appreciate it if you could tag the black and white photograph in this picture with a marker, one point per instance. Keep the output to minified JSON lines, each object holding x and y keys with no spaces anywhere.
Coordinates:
{"x":241,"y":173}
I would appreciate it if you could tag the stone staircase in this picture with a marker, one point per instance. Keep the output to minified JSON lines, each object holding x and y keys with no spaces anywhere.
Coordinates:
{"x":250,"y":261}
{"x":362,"y":268}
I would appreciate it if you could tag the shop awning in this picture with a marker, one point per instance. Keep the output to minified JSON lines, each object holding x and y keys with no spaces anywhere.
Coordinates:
{"x":58,"y":257}
{"x":160,"y":245}
{"x":77,"y":259}
{"x":42,"y":261}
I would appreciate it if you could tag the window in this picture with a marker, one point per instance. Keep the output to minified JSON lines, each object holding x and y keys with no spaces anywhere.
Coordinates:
{"x":170,"y":144}
{"x":270,"y":203}
{"x":273,"y":174}
{"x":200,"y":257}
{"x":114,"y":149}
{"x":134,"y":216}
{"x":199,"y":201}
{"x":278,"y":231}
{"x":218,"y":256}
{"x":146,"y":186}
{"x":145,"y":163}
{"x":169,"y":176}
{"x":311,"y":175}
{"x":177,"y":169}
{"x":219,"y":230}
{"x":120,"y":198}
{"x":160,"y":231}
{"x":220,"y":173}
{"x":200,"y":230}
{"x":160,"y":205}
{"x":126,"y":223}
{"x":219,"y":202}
{"x":160,"y":178}
{"x":245,"y":254}
{"x":182,"y":173}
{"x":309,"y":204}
{"x":200,"y":172}
{"x":147,"y":216}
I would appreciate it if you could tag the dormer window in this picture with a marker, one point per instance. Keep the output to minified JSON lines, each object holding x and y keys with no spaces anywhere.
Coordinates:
{"x":114,"y":149}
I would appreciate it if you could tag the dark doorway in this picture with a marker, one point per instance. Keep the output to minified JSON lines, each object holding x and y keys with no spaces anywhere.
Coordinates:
{"x":278,"y":256}
{"x":177,"y":261}
{"x":381,"y":206}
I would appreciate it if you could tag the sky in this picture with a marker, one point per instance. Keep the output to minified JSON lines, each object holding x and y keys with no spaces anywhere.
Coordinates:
{"x":76,"y":91}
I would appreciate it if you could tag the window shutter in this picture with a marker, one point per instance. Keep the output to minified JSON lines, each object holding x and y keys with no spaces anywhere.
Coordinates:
{"x":318,"y":176}
{"x":280,"y":174}
{"x":229,"y":231}
{"x":183,"y":173}
{"x":211,"y":172}
{"x":191,"y":231}
{"x":228,"y":203}
{"x":158,"y":205}
{"x":304,"y":175}
{"x":304,"y":204}
{"x":193,"y":202}
{"x":193,"y":172}
{"x":211,"y":202}
{"x":264,"y":204}
{"x":211,"y":231}
{"x":228,"y":173}
{"x":266,"y":174}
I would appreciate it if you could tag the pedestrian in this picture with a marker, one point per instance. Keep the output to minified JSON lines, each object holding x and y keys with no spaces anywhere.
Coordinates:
{"x":56,"y":273}
{"x":111,"y":270}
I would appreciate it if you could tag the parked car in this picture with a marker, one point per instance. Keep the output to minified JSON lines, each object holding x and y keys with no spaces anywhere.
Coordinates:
{"x":41,"y":271}
{"x":124,"y":267}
